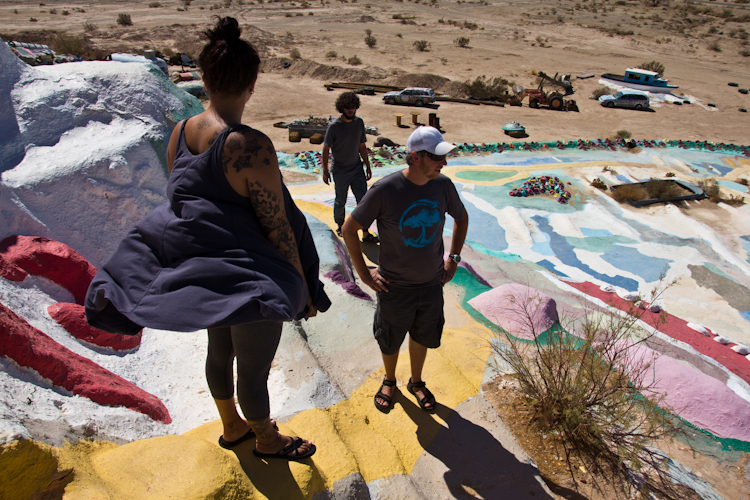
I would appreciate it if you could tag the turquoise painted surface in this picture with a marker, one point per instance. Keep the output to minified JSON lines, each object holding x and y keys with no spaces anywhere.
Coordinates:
{"x":485,"y":175}
{"x":597,"y":244}
{"x":734,"y":186}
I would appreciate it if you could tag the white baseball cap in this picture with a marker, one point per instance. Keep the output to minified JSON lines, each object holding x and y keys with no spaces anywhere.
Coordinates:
{"x":428,"y":139}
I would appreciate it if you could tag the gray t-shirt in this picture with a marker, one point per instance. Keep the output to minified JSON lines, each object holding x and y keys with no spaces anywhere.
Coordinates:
{"x":344,"y":139}
{"x":410,"y":226}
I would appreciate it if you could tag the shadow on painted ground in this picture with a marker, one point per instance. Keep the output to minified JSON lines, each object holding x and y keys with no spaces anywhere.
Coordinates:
{"x":473,"y":456}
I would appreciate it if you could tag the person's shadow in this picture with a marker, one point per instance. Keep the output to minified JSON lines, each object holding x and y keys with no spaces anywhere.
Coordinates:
{"x":475,"y":458}
{"x":273,"y":478}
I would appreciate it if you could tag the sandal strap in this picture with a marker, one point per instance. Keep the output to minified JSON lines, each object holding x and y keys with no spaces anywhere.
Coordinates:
{"x":389,"y":383}
{"x":384,"y":397}
{"x":417,"y":385}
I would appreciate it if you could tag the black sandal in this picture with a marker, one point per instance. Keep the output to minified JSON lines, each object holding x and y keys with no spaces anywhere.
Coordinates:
{"x":370,"y":238}
{"x":428,"y":399}
{"x":388,"y":399}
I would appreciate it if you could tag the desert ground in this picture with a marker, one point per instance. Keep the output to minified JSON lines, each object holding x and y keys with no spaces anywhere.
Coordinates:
{"x":701,"y":44}
{"x":703,"y":47}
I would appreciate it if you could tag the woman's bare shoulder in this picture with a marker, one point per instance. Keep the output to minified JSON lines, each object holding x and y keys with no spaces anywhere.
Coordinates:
{"x":248,"y":147}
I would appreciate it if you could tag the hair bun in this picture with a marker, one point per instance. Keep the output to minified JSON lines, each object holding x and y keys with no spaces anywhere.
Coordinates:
{"x":226,"y":29}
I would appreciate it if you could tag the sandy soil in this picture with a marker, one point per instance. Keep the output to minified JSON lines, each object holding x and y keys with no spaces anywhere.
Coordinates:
{"x":512,"y":40}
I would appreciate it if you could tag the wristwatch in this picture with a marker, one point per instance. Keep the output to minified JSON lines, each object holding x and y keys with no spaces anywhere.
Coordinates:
{"x":455,"y":257}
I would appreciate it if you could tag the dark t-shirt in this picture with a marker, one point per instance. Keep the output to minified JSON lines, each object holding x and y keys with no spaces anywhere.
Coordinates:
{"x":410,"y":225}
{"x":344,"y":139}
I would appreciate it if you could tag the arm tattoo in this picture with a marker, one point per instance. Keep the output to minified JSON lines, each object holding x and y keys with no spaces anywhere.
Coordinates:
{"x":274,"y":226}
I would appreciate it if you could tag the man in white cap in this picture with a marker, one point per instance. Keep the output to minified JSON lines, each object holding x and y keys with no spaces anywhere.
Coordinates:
{"x":410,"y":207}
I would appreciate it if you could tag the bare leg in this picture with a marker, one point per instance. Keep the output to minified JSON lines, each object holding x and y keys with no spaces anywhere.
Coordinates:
{"x":234,"y":426}
{"x":269,"y":440}
{"x":417,"y":355}
{"x":389,"y":361}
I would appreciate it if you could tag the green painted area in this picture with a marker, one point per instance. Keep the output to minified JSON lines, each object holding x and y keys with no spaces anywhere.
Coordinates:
{"x":706,"y":443}
{"x":718,"y":271}
{"x":507,"y":257}
{"x":597,"y":244}
{"x":484,"y":175}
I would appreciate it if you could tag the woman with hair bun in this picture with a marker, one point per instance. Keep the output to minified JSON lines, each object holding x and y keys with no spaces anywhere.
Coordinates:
{"x":229,"y":251}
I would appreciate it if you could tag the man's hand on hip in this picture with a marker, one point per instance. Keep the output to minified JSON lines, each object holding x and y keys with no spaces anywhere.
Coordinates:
{"x":375,"y":281}
{"x":449,"y":271}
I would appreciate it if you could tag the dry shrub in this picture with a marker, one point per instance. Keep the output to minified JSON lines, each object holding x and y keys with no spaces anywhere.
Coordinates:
{"x":711,"y":188}
{"x":655,"y":66}
{"x":294,"y":54}
{"x":662,"y":189}
{"x":623,"y":134}
{"x":592,"y":392}
{"x":124,"y":20}
{"x":354,"y":61}
{"x":63,"y":43}
{"x":421,"y":45}
{"x":599,"y":184}
{"x":494,"y":89}
{"x":596,"y":94}
{"x":635,"y":192}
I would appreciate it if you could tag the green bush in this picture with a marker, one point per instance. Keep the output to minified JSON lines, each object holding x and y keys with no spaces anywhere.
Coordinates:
{"x":370,"y":40}
{"x":124,"y":20}
{"x":462,"y":41}
{"x":421,"y":45}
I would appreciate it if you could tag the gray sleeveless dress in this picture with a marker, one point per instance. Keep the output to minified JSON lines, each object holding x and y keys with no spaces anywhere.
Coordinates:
{"x":201,"y":260}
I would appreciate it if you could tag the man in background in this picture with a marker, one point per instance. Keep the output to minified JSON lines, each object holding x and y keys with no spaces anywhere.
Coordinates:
{"x":345,"y":138}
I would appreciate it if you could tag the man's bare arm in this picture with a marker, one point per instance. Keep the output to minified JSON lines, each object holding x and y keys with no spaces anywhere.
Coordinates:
{"x":370,"y":277}
{"x":460,"y":228}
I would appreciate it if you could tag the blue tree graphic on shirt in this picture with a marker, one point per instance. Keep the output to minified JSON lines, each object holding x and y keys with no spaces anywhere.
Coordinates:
{"x":424,"y":215}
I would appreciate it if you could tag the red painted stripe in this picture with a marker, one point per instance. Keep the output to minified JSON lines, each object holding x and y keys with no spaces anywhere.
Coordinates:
{"x":31,"y":348}
{"x":72,"y":317}
{"x":677,"y":329}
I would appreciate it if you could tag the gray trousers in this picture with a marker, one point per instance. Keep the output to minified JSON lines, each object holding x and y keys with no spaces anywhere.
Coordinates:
{"x":343,"y":179}
{"x":254,"y":345}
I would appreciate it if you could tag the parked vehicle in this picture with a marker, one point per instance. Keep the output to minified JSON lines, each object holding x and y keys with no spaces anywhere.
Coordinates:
{"x":417,"y":96}
{"x":626,"y":99}
{"x":641,"y":79}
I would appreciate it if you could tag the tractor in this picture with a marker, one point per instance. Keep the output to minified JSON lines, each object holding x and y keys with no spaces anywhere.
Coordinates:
{"x":538,"y":97}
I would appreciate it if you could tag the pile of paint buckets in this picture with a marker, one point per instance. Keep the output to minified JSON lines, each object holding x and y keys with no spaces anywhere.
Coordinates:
{"x":543,"y":185}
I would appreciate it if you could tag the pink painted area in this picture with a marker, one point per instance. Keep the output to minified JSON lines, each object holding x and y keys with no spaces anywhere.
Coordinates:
{"x":520,"y":310}
{"x":72,"y":317}
{"x":31,"y":348}
{"x":50,"y":259}
{"x":677,"y":329}
{"x":700,"y":399}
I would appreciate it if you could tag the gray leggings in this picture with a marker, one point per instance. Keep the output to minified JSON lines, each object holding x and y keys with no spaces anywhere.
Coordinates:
{"x":254,"y":345}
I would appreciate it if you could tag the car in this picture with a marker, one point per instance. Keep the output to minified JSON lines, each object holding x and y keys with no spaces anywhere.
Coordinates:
{"x":417,"y":96}
{"x":626,"y":99}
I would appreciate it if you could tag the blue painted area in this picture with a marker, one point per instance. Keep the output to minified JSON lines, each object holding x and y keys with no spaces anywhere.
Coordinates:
{"x":745,"y":314}
{"x":587,"y":231}
{"x":719,"y":168}
{"x":746,"y":245}
{"x":484,"y":228}
{"x":648,"y":268}
{"x":735,"y":186}
{"x":543,"y":248}
{"x":623,"y":179}
{"x":565,"y":253}
{"x":506,"y":256}
{"x":549,"y":265}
